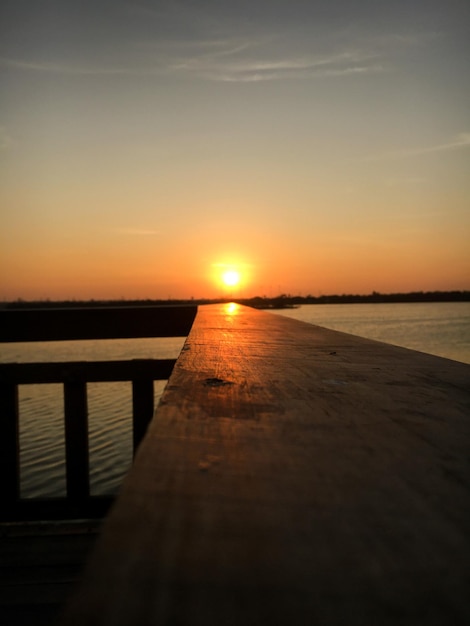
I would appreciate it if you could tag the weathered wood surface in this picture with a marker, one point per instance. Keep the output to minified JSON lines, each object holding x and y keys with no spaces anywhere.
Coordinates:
{"x":292,"y":475}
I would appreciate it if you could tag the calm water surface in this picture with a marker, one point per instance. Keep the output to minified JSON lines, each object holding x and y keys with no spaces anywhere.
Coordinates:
{"x":42,"y":449}
{"x":442,"y":329}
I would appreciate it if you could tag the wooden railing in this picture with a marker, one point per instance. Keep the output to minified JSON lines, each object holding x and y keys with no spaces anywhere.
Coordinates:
{"x":291,"y":475}
{"x":70,"y":324}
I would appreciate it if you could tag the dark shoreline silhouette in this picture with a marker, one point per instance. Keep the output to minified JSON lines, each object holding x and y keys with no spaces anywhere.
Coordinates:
{"x":262,"y":302}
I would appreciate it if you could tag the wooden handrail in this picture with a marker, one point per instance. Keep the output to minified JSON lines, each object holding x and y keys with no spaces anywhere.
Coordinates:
{"x":69,"y":324}
{"x":292,"y":475}
{"x":87,"y":371}
{"x":74,"y":377}
{"x":95,"y":323}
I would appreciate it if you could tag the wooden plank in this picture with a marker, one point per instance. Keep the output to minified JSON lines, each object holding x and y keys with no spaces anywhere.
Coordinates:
{"x":76,"y":441}
{"x":142,"y":408}
{"x":33,"y":615}
{"x":52,"y":546}
{"x":9,"y":444}
{"x":95,"y":323}
{"x":85,"y":371}
{"x":39,"y":564}
{"x":34,"y":509}
{"x":141,"y":371}
{"x":292,"y":475}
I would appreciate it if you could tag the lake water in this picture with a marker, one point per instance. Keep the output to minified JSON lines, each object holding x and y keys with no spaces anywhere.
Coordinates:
{"x":42,"y":450}
{"x":442,"y":329}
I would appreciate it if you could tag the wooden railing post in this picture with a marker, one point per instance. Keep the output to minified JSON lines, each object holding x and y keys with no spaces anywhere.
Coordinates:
{"x":9,"y":443}
{"x":142,"y":408}
{"x":61,"y":324}
{"x":76,"y":440}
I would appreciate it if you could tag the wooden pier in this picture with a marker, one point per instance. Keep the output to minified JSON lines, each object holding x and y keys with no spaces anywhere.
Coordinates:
{"x":40,"y":564}
{"x":32,"y":325}
{"x":291,"y":475}
{"x":41,"y":554}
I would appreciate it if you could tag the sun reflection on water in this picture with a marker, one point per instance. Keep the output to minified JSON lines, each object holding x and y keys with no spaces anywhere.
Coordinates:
{"x":231,"y":308}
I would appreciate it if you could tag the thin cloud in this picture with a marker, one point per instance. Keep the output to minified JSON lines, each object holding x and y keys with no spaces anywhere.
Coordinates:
{"x":209,"y":47}
{"x":460,"y":141}
{"x":73,"y":70}
{"x":349,"y":71}
{"x":281,"y":65}
{"x":250,"y":77}
{"x":256,"y":70}
{"x":230,"y":59}
{"x":358,"y":58}
{"x":303,"y":63}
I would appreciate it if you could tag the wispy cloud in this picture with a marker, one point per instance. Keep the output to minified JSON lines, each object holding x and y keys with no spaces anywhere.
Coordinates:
{"x":213,"y":56}
{"x":460,"y":141}
{"x":252,"y":77}
{"x":226,"y":60}
{"x":256,"y":67}
{"x":74,"y":70}
{"x":277,"y":58}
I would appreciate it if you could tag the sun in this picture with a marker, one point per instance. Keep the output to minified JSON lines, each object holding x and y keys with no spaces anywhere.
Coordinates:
{"x":231,"y":278}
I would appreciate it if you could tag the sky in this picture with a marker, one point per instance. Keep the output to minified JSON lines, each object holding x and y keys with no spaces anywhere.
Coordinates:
{"x":314,"y":147}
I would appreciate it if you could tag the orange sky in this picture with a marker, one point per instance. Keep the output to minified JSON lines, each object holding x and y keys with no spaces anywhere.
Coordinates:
{"x":316,"y":150}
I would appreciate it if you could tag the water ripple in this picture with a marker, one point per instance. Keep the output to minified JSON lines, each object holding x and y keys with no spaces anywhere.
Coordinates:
{"x":42,"y":438}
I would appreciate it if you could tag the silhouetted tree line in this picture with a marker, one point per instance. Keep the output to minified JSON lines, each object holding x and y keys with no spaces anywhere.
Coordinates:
{"x":262,"y":302}
{"x":287,"y":300}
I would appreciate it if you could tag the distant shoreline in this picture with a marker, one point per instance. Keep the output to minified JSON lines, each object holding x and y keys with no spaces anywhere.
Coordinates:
{"x":279,"y":302}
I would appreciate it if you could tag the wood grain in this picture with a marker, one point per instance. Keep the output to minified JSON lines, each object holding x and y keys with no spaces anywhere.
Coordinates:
{"x":291,"y":475}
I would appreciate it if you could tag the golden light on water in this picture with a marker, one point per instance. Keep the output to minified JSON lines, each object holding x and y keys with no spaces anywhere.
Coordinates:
{"x":231,"y":308}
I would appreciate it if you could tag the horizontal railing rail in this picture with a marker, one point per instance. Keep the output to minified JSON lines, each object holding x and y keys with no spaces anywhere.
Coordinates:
{"x":88,"y":371}
{"x":54,"y":325}
{"x":95,"y":323}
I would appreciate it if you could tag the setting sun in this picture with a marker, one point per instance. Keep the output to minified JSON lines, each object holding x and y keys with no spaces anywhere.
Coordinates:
{"x":231,"y":275}
{"x":231,"y":278}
